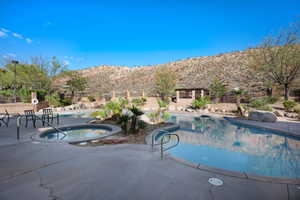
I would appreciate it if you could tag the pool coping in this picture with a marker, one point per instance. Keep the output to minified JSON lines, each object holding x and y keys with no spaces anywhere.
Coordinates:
{"x":113,"y":129}
{"x":236,"y":174}
{"x":250,"y":123}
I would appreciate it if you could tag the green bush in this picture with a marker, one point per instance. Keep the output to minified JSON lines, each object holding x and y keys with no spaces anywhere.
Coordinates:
{"x":201,"y":102}
{"x":262,"y":103}
{"x":139,"y":101}
{"x":166,"y":116}
{"x":272,"y":99}
{"x":141,"y":124}
{"x":25,"y":95}
{"x":54,"y":100}
{"x":289,"y":105}
{"x":66,"y":101}
{"x":153,"y":116}
{"x":99,"y":114}
{"x":91,"y":98}
{"x":6,"y":93}
{"x":162,"y":104}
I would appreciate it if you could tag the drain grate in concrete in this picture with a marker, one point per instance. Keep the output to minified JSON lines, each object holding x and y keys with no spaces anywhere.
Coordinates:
{"x":215,"y":181}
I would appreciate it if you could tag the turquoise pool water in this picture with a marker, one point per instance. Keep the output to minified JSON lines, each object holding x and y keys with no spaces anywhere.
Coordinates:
{"x":83,"y":114}
{"x":72,"y":134}
{"x":221,"y":144}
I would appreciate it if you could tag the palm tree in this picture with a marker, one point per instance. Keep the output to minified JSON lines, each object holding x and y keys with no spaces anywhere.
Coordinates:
{"x":136,"y":113}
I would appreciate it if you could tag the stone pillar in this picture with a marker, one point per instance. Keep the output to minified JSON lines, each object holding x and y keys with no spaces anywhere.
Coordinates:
{"x":113,"y":95}
{"x":177,"y":97}
{"x":202,"y":93}
{"x":193,"y":95}
{"x":143,"y":93}
{"x":128,"y":94}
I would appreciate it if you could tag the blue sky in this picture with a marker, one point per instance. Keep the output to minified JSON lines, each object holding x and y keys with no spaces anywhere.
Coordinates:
{"x":136,"y":32}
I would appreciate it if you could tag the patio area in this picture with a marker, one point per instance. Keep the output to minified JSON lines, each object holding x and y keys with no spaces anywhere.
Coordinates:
{"x":30,"y":170}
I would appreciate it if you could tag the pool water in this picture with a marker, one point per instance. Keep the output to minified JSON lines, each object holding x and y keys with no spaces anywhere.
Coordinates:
{"x":84,"y":114}
{"x":78,"y":133}
{"x":221,"y":144}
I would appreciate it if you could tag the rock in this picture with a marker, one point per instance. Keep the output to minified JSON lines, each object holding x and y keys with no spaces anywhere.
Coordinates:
{"x":262,"y":116}
{"x":291,"y":115}
{"x":172,"y":108}
{"x":189,"y":110}
{"x":278,"y":113}
{"x":145,"y":118}
{"x":114,"y":140}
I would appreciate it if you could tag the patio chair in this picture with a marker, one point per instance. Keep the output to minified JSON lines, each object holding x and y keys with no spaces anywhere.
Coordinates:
{"x":4,"y":118}
{"x":30,"y":116}
{"x":49,"y":115}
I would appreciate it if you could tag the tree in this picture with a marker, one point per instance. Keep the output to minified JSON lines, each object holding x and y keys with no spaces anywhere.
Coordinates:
{"x":165,"y":82}
{"x":278,"y":58}
{"x":76,"y":83}
{"x":217,"y":89}
{"x":239,"y":93}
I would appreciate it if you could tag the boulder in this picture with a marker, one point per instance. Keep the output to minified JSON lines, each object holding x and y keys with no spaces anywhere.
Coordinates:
{"x":278,"y":113}
{"x":172,"y":108}
{"x":291,"y":115}
{"x":262,"y":116}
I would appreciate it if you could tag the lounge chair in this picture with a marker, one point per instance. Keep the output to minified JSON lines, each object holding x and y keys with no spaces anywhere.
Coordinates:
{"x":49,"y":115}
{"x":4,"y":118}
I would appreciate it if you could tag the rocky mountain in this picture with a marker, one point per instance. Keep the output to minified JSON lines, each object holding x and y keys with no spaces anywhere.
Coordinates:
{"x":196,"y":72}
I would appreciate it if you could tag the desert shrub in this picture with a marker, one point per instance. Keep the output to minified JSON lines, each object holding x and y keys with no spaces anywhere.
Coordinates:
{"x":162,"y":104}
{"x":271,"y":99}
{"x":139,"y":101}
{"x":123,"y":102}
{"x":166,"y":116}
{"x":289,"y":105}
{"x":101,"y":114}
{"x":123,"y":120}
{"x":217,"y":89}
{"x":153,"y":116}
{"x":141,"y":124}
{"x":66,"y":101}
{"x":297,"y":110}
{"x":261,"y":104}
{"x":201,"y":102}
{"x":91,"y":98}
{"x":257,"y":103}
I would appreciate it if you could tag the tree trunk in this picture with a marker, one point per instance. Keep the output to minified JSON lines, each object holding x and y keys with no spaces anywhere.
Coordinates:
{"x":72,"y":96}
{"x":286,"y":91}
{"x":133,"y":124}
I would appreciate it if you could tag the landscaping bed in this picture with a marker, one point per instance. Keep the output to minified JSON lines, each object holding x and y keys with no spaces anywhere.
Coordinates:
{"x":122,"y":138}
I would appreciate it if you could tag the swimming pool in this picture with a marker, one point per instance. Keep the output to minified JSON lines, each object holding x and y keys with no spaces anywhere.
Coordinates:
{"x":219,"y":143}
{"x":81,"y":114}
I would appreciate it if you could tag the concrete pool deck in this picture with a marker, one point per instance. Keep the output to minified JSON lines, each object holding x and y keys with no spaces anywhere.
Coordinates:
{"x":30,"y":170}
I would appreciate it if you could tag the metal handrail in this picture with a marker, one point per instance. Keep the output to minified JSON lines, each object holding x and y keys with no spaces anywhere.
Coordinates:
{"x":19,"y":117}
{"x":57,"y":129}
{"x":162,"y":149}
{"x":154,"y":135}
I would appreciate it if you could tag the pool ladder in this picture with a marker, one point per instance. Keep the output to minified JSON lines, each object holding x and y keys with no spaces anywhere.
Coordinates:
{"x":165,"y":138}
{"x":19,"y":117}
